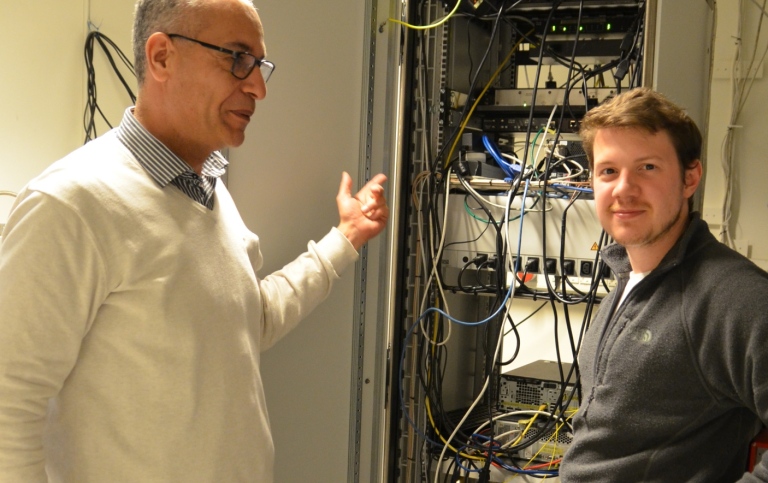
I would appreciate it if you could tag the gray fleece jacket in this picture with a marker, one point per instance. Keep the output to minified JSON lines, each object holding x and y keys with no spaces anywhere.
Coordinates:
{"x":675,"y":380}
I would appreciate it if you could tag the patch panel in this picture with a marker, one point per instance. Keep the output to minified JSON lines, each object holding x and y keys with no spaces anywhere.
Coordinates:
{"x":582,"y":281}
{"x":468,"y":235}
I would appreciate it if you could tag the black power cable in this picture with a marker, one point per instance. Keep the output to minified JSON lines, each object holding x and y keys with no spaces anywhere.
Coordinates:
{"x":92,"y":106}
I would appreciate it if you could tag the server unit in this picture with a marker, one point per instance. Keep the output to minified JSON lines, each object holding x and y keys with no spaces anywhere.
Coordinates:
{"x":540,"y":383}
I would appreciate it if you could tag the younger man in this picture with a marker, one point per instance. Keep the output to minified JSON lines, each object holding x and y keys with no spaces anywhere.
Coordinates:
{"x":674,"y":368}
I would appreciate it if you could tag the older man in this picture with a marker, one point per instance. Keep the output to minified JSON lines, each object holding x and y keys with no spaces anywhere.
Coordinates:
{"x":132,"y":318}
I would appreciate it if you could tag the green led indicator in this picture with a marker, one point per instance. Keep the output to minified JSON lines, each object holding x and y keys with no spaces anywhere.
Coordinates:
{"x":554,"y":28}
{"x":608,"y":27}
{"x":581,"y":28}
{"x":565,"y":29}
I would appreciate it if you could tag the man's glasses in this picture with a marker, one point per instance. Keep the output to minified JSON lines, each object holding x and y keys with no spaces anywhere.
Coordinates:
{"x":243,"y":63}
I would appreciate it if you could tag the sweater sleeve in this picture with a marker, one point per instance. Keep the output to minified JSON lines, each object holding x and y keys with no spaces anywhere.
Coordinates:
{"x":759,"y":474}
{"x":733,"y":355}
{"x":760,"y":471}
{"x":289,"y":294}
{"x":51,"y":277}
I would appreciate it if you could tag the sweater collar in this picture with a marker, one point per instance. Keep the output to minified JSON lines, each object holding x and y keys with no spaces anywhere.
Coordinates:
{"x":615,"y":255}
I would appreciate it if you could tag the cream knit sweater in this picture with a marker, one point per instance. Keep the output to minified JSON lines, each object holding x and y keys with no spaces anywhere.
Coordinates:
{"x":131,"y":326}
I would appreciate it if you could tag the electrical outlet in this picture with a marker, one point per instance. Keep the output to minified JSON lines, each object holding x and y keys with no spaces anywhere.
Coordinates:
{"x":569,"y":267}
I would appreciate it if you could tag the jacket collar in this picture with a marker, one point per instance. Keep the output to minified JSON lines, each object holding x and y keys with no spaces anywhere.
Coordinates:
{"x":615,"y":255}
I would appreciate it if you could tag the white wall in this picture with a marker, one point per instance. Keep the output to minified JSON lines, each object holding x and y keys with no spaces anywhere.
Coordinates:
{"x":284,"y":180}
{"x":41,"y":87}
{"x":751,"y":155}
{"x":42,"y":81}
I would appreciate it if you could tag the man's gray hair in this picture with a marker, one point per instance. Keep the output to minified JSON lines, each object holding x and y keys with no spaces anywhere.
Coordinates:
{"x":168,"y":16}
{"x":150,"y":16}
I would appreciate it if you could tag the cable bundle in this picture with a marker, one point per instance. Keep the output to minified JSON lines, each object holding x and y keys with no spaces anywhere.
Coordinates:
{"x":92,"y":105}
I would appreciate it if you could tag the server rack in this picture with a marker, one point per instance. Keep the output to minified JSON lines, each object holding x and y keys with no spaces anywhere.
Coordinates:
{"x":442,"y":71}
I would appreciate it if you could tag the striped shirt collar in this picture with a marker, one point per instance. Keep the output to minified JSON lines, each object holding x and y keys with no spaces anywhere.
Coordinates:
{"x":160,"y":162}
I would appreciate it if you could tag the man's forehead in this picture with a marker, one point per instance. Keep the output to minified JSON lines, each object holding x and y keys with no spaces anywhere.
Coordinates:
{"x":232,"y":10}
{"x":233,"y":23}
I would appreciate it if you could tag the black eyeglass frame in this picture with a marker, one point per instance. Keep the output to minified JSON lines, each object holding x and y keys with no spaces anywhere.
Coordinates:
{"x":236,"y":55}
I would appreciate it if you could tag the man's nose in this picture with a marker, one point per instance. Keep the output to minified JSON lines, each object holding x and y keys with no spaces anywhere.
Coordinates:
{"x":626,"y":184}
{"x":255,"y":86}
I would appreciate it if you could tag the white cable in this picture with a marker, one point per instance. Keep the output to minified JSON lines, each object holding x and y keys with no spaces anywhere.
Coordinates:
{"x":741,"y":83}
{"x":489,"y":203}
{"x":528,"y":412}
{"x":748,"y":74}
{"x":571,"y":175}
{"x":425,"y":180}
{"x":477,"y":400}
{"x":434,"y":276}
{"x":546,"y":130}
{"x":510,"y":255}
{"x":512,"y":158}
{"x":496,"y":352}
{"x":762,"y":9}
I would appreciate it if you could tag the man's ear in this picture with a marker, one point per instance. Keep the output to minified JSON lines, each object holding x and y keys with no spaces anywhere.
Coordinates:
{"x":692,"y":178}
{"x":160,"y":53}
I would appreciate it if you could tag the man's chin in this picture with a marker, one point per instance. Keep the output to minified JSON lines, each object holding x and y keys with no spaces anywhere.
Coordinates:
{"x":628,"y":239}
{"x":235,"y":140}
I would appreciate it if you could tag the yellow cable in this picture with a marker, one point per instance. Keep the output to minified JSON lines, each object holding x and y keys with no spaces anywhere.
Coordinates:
{"x":434,"y":426}
{"x":512,"y":477}
{"x":477,"y":101}
{"x":426,"y":399}
{"x":431,"y":26}
{"x":530,"y":423}
{"x":552,"y":436}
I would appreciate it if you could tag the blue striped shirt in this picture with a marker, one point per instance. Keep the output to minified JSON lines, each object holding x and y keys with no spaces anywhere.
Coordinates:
{"x":167,"y":168}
